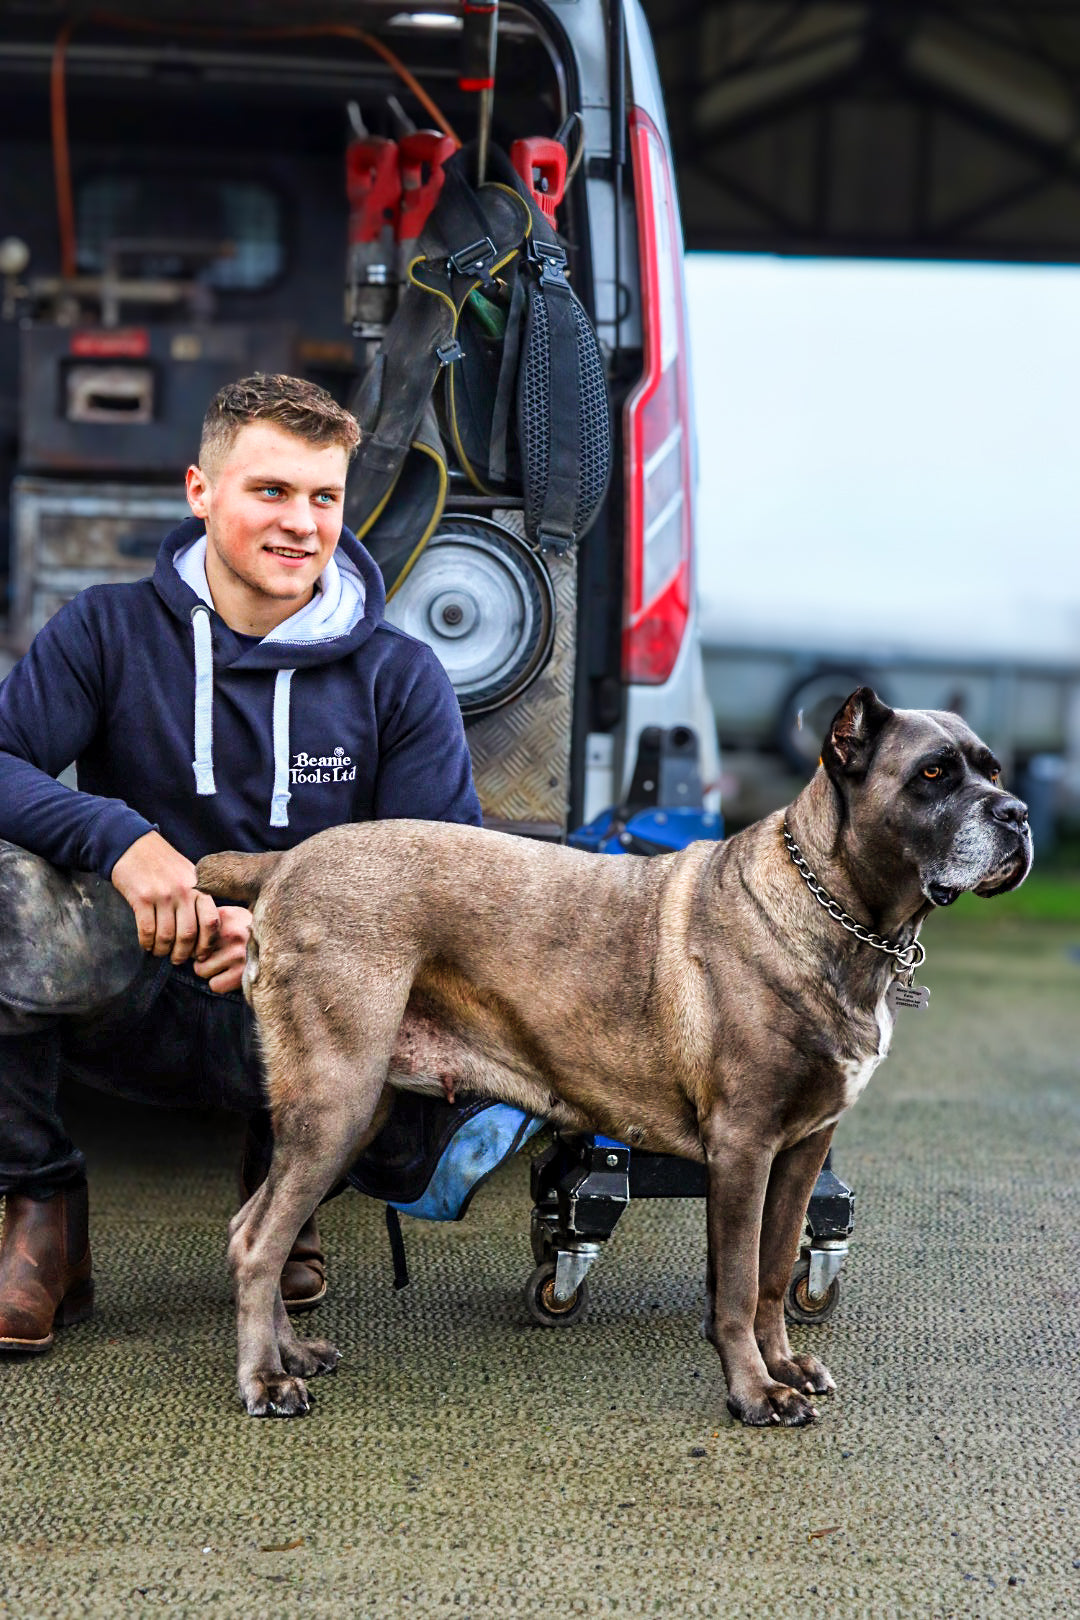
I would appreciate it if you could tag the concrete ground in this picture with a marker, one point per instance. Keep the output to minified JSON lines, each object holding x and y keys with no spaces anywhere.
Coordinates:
{"x":464,"y":1463}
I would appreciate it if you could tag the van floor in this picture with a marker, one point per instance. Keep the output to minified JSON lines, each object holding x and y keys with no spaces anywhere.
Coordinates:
{"x":466,"y":1463}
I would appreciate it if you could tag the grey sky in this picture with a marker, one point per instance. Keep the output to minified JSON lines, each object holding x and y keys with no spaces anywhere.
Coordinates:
{"x":888,"y":450}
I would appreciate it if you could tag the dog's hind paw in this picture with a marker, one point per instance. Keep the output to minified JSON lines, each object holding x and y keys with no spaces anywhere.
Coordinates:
{"x":776,"y":1405}
{"x":275,"y":1395}
{"x":305,"y":1358}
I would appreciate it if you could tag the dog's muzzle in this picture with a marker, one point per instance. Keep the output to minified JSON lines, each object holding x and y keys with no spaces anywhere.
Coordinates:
{"x":1012,"y":815}
{"x":1007,"y":861}
{"x":1009,"y":876}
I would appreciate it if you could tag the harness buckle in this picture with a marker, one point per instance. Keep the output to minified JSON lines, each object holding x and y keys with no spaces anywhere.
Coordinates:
{"x":477,"y":259}
{"x":548,"y":540}
{"x":447,"y":353}
{"x":550,"y":258}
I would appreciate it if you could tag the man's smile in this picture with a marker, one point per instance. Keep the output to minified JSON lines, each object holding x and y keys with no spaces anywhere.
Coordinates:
{"x":290,"y":553}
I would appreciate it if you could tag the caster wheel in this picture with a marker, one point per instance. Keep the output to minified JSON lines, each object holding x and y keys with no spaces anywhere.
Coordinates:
{"x":542,"y":1305}
{"x":802,"y":1306}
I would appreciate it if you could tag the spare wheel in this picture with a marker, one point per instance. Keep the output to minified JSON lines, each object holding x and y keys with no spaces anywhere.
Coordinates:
{"x":482,"y":600}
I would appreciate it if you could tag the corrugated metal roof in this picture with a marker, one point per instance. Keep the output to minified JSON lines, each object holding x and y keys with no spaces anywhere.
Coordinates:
{"x":941,"y":128}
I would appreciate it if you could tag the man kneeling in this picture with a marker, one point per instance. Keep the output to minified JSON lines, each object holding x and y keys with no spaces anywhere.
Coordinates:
{"x":248,"y":695}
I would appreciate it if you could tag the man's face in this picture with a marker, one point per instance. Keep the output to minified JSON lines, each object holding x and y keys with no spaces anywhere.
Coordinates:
{"x":273,"y":514}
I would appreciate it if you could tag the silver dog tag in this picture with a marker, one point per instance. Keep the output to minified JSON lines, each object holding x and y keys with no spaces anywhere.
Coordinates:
{"x":911,"y":997}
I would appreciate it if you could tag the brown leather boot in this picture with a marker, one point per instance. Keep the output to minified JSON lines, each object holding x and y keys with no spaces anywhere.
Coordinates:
{"x":45,"y":1280}
{"x":303,"y":1276}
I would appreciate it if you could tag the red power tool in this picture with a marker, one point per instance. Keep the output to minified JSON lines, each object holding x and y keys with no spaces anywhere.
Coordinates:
{"x":541,"y":162}
{"x":373,"y":182}
{"x":421,"y":155}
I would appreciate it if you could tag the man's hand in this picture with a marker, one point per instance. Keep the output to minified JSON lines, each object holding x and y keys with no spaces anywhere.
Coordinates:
{"x":223,"y":964}
{"x":174,"y":918}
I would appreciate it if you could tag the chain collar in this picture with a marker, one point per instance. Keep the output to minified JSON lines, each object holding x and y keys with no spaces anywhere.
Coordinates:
{"x":908,"y":957}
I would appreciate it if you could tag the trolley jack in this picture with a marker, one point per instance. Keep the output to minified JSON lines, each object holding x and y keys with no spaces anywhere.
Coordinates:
{"x":582,"y":1184}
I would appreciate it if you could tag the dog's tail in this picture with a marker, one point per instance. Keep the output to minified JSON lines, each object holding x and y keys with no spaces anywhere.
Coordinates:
{"x":233,"y":876}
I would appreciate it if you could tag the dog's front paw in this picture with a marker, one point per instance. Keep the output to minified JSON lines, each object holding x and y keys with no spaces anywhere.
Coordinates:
{"x":275,"y":1395}
{"x":304,"y":1358}
{"x":771,"y":1405}
{"x":803,"y":1373}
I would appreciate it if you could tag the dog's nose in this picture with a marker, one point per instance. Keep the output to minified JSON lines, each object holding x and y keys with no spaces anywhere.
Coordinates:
{"x":1012,"y":812}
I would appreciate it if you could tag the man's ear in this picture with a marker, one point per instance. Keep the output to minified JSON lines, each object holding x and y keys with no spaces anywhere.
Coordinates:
{"x":854,"y":733}
{"x":198,"y":488}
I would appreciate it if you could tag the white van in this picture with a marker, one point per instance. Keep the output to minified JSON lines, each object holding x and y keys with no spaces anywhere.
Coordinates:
{"x":177,"y":212}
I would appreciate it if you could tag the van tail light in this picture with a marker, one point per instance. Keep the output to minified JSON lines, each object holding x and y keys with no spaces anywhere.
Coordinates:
{"x":657,"y":430}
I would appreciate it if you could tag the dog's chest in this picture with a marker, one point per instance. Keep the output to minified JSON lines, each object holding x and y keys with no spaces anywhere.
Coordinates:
{"x":854,"y":1072}
{"x":856,"y":1075}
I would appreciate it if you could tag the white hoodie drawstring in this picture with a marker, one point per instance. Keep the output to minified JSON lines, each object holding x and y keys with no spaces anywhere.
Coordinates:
{"x":279,"y":804}
{"x":203,"y":763}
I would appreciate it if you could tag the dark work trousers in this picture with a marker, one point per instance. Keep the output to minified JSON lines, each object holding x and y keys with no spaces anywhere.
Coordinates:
{"x":169,"y":1040}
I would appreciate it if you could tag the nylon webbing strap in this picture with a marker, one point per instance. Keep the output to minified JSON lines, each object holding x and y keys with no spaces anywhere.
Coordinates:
{"x":506,"y":392}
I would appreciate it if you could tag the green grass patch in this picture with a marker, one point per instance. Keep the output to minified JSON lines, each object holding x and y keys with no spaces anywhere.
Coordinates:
{"x":1050,"y":896}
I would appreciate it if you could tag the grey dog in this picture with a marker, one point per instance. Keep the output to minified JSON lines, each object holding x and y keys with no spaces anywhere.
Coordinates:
{"x":726,"y":1003}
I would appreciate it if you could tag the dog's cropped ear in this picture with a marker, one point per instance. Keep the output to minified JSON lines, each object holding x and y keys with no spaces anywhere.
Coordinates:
{"x":849,"y":747}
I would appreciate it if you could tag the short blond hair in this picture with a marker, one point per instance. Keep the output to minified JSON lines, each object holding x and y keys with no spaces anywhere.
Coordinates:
{"x":290,"y":403}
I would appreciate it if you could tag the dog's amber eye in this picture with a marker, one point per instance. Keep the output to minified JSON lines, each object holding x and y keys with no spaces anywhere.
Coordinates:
{"x":931,"y":772}
{"x":995,"y":777}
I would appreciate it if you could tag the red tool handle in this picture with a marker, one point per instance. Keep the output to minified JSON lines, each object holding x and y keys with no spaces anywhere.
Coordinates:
{"x":421,"y":155}
{"x":541,"y":163}
{"x":373,"y":183}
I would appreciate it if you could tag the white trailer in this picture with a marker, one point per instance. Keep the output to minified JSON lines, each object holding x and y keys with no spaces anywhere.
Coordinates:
{"x":888,"y":492}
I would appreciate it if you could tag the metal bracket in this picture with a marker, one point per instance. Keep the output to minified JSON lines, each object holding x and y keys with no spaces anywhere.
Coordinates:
{"x":570,"y":1267}
{"x":826,"y":1259}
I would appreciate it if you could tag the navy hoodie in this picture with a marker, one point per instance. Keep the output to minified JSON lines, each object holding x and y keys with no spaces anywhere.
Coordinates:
{"x":219,"y":740}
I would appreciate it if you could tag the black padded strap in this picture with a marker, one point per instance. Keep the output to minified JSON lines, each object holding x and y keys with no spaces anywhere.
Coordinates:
{"x":557,"y":522}
{"x":397,"y":1248}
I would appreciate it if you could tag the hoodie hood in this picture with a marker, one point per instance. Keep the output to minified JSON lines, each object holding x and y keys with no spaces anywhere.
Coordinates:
{"x":347,"y":604}
{"x":335,"y":608}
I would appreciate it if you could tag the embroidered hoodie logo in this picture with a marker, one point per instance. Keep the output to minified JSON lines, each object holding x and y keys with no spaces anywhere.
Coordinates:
{"x":335,"y":767}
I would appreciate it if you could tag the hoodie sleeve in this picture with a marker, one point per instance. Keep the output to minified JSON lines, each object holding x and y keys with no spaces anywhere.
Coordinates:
{"x":51,"y":707}
{"x":424,"y":766}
